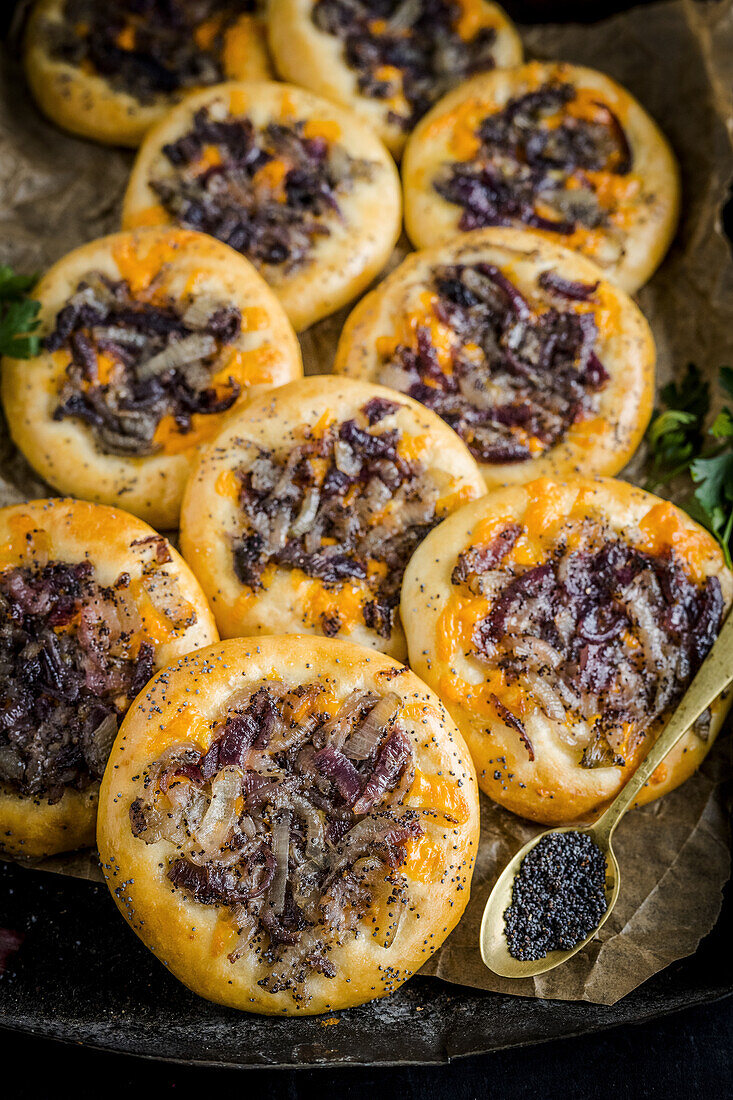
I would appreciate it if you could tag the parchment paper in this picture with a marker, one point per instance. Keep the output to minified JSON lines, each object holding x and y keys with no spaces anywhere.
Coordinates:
{"x":677,"y":58}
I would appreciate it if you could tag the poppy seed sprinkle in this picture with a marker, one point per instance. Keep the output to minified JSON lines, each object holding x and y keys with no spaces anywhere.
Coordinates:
{"x":558,"y":896}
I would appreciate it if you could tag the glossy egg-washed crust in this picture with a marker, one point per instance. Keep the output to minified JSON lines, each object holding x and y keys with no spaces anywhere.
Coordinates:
{"x":84,"y":102}
{"x":601,"y":444}
{"x":193,"y":940}
{"x":438,"y":624}
{"x":72,"y":531}
{"x":339,"y":266}
{"x":184,"y":266}
{"x":290,"y":600}
{"x":308,"y":56}
{"x":646,"y":199}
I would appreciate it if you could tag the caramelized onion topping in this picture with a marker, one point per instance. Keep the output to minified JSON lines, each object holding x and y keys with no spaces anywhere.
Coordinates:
{"x":605,"y":638}
{"x":296,"y":837}
{"x":146,"y":48}
{"x":405,"y":49}
{"x":271,"y":192}
{"x":162,"y":363}
{"x":71,"y":662}
{"x":512,"y":381}
{"x":297,"y":516}
{"x":533,"y":162}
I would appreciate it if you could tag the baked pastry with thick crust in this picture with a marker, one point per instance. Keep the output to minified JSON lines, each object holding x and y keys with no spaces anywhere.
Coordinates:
{"x":289,"y":823}
{"x":302,"y":514}
{"x":303,"y":188}
{"x":150,"y":340}
{"x":110,"y":71}
{"x":560,"y":622}
{"x":542,"y":366}
{"x":389,"y":65}
{"x":558,"y":149}
{"x":92,"y":602}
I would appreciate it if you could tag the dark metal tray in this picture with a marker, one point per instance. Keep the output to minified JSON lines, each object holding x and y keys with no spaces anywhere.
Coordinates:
{"x":83,"y":977}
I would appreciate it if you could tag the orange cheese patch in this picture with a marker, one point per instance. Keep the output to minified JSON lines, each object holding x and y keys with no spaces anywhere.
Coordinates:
{"x":140,"y":261}
{"x":228,"y":485}
{"x":156,"y":624}
{"x":206,"y":32}
{"x":322,"y":128}
{"x":664,"y":528}
{"x":238,"y":101}
{"x":412,"y":447}
{"x":173,"y":441}
{"x":441,"y":793}
{"x":344,"y":603}
{"x":271,"y":177}
{"x":25,"y":543}
{"x":474,"y":17}
{"x":126,"y":38}
{"x":239,"y":43}
{"x":424,"y":861}
{"x":186,"y":726}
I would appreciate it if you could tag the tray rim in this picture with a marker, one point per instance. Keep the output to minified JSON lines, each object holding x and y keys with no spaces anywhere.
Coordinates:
{"x":385,"y":1063}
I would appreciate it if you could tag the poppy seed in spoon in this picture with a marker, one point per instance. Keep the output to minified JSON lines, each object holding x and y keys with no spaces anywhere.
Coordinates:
{"x":558,"y":896}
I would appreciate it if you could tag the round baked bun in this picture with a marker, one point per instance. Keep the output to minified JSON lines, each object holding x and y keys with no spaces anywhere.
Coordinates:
{"x":151,"y":340}
{"x":560,"y":622}
{"x":303,"y":188}
{"x":92,"y":602}
{"x":541,"y":365}
{"x":109,"y":71}
{"x":553,"y":148}
{"x":301,"y":516}
{"x":390,"y":70}
{"x":289,"y":823}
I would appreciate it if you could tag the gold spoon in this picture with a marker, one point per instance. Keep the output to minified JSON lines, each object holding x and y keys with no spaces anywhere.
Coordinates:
{"x":715,"y":674}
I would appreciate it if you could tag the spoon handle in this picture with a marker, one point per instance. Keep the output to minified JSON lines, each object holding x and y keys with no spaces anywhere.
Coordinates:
{"x":714,"y":675}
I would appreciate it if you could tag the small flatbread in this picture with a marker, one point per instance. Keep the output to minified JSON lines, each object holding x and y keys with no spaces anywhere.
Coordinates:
{"x":541,"y":365}
{"x":558,"y":149}
{"x":560,"y":622}
{"x":389,"y":70}
{"x":99,"y":414}
{"x":92,"y":602}
{"x":302,"y":514}
{"x":339,"y":851}
{"x":113,"y":78}
{"x":302,"y":187}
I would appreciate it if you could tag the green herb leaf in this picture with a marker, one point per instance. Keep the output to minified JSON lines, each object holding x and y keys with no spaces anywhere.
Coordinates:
{"x":676,"y":433}
{"x":714,"y":494}
{"x":18,"y":315}
{"x":679,"y":444}
{"x":14,"y":287}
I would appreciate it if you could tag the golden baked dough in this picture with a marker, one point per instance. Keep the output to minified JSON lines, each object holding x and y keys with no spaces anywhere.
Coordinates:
{"x":119,"y":105}
{"x":565,"y":152}
{"x":560,"y":622}
{"x":121,"y":457}
{"x":301,"y":187}
{"x":92,"y":601}
{"x":288,"y":525}
{"x":365,"y":880}
{"x":308,"y":49}
{"x":573,"y":393}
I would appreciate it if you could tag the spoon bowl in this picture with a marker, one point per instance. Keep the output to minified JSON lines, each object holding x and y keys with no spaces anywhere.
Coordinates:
{"x":493,"y":942}
{"x":713,"y":677}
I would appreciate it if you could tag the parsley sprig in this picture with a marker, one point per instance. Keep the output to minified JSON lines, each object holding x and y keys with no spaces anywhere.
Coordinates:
{"x":18,"y":315}
{"x":680,"y":444}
